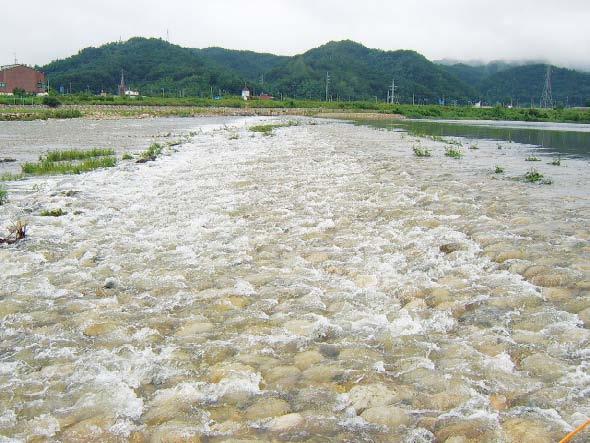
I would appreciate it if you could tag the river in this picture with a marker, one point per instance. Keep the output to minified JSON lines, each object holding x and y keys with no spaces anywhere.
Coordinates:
{"x":319,"y":284}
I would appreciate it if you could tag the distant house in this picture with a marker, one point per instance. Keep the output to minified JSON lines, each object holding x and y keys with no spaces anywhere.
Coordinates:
{"x":246,"y":93}
{"x":21,"y":77}
{"x":264,"y":96}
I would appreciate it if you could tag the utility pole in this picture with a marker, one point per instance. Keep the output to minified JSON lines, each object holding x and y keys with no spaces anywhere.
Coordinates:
{"x":327,"y":84}
{"x":547,"y":97}
{"x":391,"y":96}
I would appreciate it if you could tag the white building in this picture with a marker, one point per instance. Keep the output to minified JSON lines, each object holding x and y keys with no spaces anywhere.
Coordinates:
{"x":246,"y":93}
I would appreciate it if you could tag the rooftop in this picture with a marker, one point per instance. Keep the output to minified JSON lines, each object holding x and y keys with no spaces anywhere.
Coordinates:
{"x":15,"y":65}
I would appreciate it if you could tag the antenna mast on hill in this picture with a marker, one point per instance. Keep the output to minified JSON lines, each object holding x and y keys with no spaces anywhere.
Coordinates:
{"x":547,"y":97}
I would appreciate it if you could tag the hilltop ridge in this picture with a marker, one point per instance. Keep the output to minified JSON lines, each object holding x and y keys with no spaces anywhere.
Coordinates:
{"x":356,"y":72}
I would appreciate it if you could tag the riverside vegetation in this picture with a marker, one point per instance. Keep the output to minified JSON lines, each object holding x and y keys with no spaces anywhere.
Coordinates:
{"x":93,"y":106}
{"x":3,"y":196}
{"x":65,"y":162}
{"x":421,"y":152}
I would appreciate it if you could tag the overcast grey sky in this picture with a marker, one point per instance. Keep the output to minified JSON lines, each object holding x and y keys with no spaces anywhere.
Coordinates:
{"x":558,"y":31}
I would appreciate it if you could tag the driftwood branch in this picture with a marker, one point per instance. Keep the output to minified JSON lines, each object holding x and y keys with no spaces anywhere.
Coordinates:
{"x":16,"y":233}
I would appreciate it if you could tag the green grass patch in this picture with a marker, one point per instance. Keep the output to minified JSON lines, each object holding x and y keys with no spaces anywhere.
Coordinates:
{"x":53,"y":213}
{"x":499,"y":170}
{"x":151,"y":153}
{"x":534,"y":176}
{"x":3,"y":196}
{"x":267,"y":129}
{"x":453,"y":152}
{"x":46,"y":167}
{"x":556,"y":162}
{"x":532,"y":158}
{"x":127,"y":156}
{"x":263,"y":129}
{"x":74,"y":154}
{"x":9,"y":177}
{"x":421,"y":152}
{"x":40,"y":115}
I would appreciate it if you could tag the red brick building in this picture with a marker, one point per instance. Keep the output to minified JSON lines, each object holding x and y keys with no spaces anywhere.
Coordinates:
{"x":22,"y":77}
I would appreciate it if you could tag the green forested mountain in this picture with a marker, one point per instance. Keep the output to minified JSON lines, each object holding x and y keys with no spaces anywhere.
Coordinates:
{"x":356,"y":71}
{"x":474,"y":74}
{"x":523,"y":84}
{"x":155,"y":66}
{"x":149,"y":65}
{"x":359,"y":72}
{"x":250,"y":65}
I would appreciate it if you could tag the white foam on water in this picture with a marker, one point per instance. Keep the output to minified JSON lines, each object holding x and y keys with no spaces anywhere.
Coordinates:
{"x":501,"y":362}
{"x":254,"y":217}
{"x":379,"y":366}
{"x":7,"y":419}
{"x":234,"y":382}
{"x":123,"y":428}
{"x":242,"y":287}
{"x":420,"y":435}
{"x":44,"y":425}
{"x":7,"y":368}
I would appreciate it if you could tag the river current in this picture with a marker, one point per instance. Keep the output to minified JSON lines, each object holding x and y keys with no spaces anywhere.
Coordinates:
{"x":319,"y":284}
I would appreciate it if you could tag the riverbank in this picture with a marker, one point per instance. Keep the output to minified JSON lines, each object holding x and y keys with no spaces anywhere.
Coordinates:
{"x":99,"y":109}
{"x":106,"y":112}
{"x":319,"y":283}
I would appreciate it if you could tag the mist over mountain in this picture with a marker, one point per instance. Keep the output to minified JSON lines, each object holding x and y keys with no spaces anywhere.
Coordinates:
{"x":355,"y":72}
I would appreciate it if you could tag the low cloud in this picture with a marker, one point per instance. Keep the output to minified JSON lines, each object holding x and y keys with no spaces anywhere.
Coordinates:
{"x":458,"y":29}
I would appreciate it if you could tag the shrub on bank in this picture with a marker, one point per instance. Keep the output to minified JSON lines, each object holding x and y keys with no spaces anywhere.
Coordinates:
{"x":51,"y":102}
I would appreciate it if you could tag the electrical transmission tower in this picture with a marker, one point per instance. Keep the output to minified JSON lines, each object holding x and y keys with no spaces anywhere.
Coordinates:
{"x":547,"y":97}
{"x":391,"y":92}
{"x":327,"y":84}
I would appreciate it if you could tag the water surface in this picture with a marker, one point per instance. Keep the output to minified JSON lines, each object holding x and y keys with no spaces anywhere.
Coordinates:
{"x":563,"y":139}
{"x":321,"y":284}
